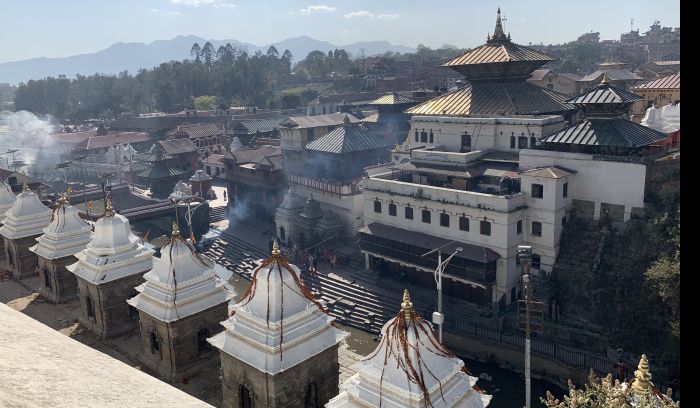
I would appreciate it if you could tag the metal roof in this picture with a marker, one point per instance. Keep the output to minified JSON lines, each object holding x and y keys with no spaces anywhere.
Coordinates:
{"x":393,"y":99}
{"x":606,"y":132}
{"x":502,"y":52}
{"x":348,"y":139}
{"x":605,"y":93}
{"x":521,"y":98}
{"x":469,"y":251}
{"x":554,"y":172}
{"x":258,"y":125}
{"x":613,"y":75}
{"x":374,"y":118}
{"x":157,"y":172}
{"x":667,"y":82}
{"x":199,"y":130}
{"x":178,"y":146}
{"x":331,"y":119}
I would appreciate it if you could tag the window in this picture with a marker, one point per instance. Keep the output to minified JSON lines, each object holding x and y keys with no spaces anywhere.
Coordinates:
{"x":416,"y":136}
{"x":202,"y":344}
{"x":155,"y":345}
{"x":378,"y":207}
{"x":408,"y":213}
{"x":463,"y":224}
{"x":426,"y":216}
{"x":522,"y":142}
{"x":392,"y":209}
{"x":536,"y":261}
{"x":485,"y":228}
{"x":47,"y":280}
{"x":311,"y":397}
{"x":431,"y":136}
{"x":519,"y":227}
{"x":466,"y":143}
{"x":424,"y":137}
{"x":565,"y":190}
{"x":533,"y":142}
{"x":537,"y":229}
{"x":90,"y":308}
{"x":444,"y":220}
{"x":12,"y":180}
{"x":246,"y":400}
{"x":512,"y":142}
{"x":537,"y":190}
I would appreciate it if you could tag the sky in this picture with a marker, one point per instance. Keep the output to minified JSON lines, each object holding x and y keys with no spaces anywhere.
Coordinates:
{"x":61,"y":28}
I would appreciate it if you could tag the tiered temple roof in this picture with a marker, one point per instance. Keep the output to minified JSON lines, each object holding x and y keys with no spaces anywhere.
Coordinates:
{"x":348,"y":138}
{"x":114,"y":252}
{"x":410,"y":368}
{"x":66,"y":235}
{"x":278,"y":323}
{"x":27,"y":216}
{"x":7,"y":199}
{"x":181,"y":283}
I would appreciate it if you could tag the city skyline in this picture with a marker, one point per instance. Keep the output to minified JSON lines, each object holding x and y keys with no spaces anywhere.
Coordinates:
{"x":101,"y":25}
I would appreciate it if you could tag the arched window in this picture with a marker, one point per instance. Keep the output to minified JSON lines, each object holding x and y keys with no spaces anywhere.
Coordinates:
{"x":246,"y":401}
{"x":311,"y":396}
{"x":512,"y":142}
{"x":282,"y":234}
{"x":533,"y":142}
{"x":155,"y":344}
{"x":416,"y":135}
{"x":431,"y":136}
{"x":89,"y":308}
{"x":47,"y":280}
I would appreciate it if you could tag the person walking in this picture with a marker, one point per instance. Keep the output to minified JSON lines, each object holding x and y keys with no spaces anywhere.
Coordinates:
{"x":224,"y":195}
{"x":334,"y":259}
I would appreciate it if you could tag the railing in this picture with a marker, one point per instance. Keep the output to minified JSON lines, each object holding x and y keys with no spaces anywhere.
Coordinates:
{"x":351,"y":188}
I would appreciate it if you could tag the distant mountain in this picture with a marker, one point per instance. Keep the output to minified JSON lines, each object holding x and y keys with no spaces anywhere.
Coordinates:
{"x":134,"y":56}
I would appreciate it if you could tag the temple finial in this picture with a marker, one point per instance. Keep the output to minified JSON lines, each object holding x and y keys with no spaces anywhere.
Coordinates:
{"x":109,"y":210}
{"x":498,"y":33}
{"x":275,"y":248}
{"x":406,"y":305}
{"x":605,"y":80}
{"x":176,"y":230}
{"x":642,"y":376}
{"x":346,"y":121}
{"x":25,"y":187}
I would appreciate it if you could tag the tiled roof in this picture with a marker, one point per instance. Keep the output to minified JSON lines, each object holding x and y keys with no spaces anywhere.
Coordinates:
{"x":98,"y":142}
{"x":667,"y":82}
{"x":331,"y":119}
{"x":264,"y":155}
{"x":521,"y":98}
{"x":613,"y":75}
{"x":347,"y":139}
{"x":261,"y":125}
{"x":554,"y":172}
{"x":393,"y":99}
{"x":178,"y":146}
{"x":606,"y":132}
{"x":605,"y":93}
{"x":199,"y":130}
{"x":502,"y":52}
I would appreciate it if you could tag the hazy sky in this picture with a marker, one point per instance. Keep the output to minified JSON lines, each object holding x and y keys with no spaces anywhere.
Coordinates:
{"x":59,"y":28}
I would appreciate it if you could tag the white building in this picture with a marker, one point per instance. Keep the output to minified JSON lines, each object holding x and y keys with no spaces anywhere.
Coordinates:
{"x":279,"y":348}
{"x":66,"y":235}
{"x":410,"y":368}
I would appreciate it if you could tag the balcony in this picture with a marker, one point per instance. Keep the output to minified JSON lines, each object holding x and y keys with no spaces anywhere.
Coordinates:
{"x":326,"y":186}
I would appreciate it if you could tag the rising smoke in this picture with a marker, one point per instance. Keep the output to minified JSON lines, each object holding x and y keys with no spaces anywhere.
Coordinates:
{"x":32,"y":137}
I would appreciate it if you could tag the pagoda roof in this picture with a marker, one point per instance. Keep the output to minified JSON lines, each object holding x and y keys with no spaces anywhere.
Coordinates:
{"x":7,"y":199}
{"x":410,"y":368}
{"x":27,"y":216}
{"x":66,"y":235}
{"x":613,"y":75}
{"x":157,"y":172}
{"x":501,"y":52}
{"x":615,"y":132}
{"x":113,"y":253}
{"x":605,"y":93}
{"x":177,"y":146}
{"x":347,"y":139}
{"x":393,"y":99}
{"x":278,"y":323}
{"x":158,"y":154}
{"x":181,"y":283}
{"x":480,"y":98}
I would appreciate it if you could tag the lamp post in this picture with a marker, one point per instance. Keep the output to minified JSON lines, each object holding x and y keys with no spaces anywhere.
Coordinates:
{"x":531,"y":323}
{"x":438,"y":317}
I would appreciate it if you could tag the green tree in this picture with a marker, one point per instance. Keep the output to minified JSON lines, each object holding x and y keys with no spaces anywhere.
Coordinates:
{"x":196,"y":52}
{"x":205,"y":102}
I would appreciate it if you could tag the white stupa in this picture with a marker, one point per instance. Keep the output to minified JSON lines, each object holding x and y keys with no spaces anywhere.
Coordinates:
{"x":7,"y":199}
{"x":278,"y":323}
{"x":114,"y":252}
{"x":666,"y":119}
{"x":181,"y":283}
{"x":181,"y":191}
{"x":236,"y":144}
{"x":410,"y":368}
{"x":27,"y":216}
{"x":66,"y":235}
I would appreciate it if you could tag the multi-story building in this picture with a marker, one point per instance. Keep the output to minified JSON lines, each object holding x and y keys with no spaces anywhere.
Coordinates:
{"x":617,"y":74}
{"x":561,"y":82}
{"x":208,"y":137}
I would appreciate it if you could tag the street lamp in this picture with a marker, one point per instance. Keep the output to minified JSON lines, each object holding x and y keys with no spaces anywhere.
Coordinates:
{"x":438,"y":317}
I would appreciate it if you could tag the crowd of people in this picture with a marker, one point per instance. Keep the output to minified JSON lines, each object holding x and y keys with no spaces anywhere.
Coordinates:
{"x":309,"y":259}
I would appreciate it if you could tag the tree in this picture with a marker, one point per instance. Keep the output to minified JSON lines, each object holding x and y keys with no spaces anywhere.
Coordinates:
{"x":196,"y":52}
{"x":208,"y":53}
{"x":205,"y":102}
{"x":272,"y":52}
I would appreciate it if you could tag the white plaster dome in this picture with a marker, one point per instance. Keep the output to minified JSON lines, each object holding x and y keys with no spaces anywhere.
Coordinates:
{"x":27,"y":216}
{"x":179,"y":260}
{"x":7,"y":199}
{"x":66,"y":235}
{"x":113,"y":231}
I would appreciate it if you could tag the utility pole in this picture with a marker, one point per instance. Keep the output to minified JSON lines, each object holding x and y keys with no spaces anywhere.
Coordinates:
{"x":438,"y":317}
{"x":531,"y":323}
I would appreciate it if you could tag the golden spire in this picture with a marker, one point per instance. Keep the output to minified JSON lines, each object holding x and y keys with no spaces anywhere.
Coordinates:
{"x":397,"y":148}
{"x":109,"y":210}
{"x":498,"y":33}
{"x":605,"y":80}
{"x":642,"y":376}
{"x":176,"y":230}
{"x":63,"y":199}
{"x":406,"y":305}
{"x":25,"y":187}
{"x":275,"y":248}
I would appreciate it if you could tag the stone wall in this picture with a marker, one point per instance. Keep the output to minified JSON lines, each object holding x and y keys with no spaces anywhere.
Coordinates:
{"x":179,"y":354}
{"x":63,"y":285}
{"x":21,"y":261}
{"x":288,"y":389}
{"x":112,"y":315}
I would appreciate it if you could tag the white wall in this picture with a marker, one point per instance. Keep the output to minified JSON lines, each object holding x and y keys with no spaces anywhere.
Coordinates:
{"x":600,"y":181}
